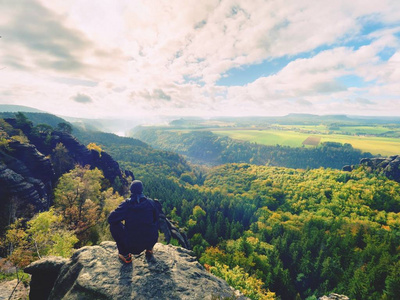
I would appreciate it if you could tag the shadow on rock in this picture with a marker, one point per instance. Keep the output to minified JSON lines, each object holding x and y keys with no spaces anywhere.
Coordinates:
{"x":125,"y":280}
{"x":155,"y":280}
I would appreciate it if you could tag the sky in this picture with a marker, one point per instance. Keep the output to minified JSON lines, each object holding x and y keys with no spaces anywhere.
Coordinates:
{"x":129,"y":59}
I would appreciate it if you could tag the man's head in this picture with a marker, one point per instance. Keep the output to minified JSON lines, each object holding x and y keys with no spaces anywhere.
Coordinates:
{"x":136,"y":187}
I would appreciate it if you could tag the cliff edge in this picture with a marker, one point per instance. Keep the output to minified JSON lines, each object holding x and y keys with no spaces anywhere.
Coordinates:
{"x":95,"y":272}
{"x":387,"y":166}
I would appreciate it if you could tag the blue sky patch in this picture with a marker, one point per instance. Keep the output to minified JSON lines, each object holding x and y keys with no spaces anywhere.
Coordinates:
{"x":386,"y":53}
{"x":247,"y":74}
{"x":352,"y":81}
{"x":369,"y":24}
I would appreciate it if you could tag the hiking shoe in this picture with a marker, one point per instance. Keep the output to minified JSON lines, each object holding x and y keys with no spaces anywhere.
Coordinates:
{"x":125,"y":258}
{"x":149,"y":254}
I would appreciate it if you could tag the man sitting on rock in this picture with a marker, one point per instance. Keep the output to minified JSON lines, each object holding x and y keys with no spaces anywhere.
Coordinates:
{"x":140,"y":231}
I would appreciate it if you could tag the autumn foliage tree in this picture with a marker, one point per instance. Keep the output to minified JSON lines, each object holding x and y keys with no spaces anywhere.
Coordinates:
{"x":77,"y":198}
{"x":82,"y":202}
{"x":45,"y":234}
{"x":61,"y":159}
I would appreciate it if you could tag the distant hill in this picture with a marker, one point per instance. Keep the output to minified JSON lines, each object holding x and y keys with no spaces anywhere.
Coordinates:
{"x":17,"y":108}
{"x":37,"y":118}
{"x":129,"y":152}
{"x":114,"y":125}
{"x":117,"y":126}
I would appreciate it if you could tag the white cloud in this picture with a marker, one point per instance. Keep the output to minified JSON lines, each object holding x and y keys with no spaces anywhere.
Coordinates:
{"x":82,"y":98}
{"x":146,"y":57}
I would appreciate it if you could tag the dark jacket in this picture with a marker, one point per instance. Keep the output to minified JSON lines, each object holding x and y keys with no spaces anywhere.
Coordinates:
{"x":141,"y":222}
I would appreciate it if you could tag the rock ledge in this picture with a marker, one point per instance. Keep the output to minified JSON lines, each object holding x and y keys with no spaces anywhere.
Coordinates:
{"x":96,"y":273}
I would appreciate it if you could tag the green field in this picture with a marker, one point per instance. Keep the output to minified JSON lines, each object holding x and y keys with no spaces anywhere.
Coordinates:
{"x":324,"y":129}
{"x":364,"y":129}
{"x":374,"y":145}
{"x":266,"y":137}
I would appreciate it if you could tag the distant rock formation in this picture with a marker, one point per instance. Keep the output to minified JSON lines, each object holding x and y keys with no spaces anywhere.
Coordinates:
{"x":96,"y":273}
{"x":83,"y":156}
{"x":388,"y":166}
{"x":334,"y":296}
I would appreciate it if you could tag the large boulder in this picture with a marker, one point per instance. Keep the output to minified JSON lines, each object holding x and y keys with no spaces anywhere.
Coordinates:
{"x":46,"y":272}
{"x":97,"y":273}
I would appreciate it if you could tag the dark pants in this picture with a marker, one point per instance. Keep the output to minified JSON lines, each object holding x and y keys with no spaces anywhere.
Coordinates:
{"x":118,"y":232}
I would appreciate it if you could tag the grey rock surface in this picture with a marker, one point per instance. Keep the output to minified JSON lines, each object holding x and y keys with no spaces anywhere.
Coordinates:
{"x":12,"y":290}
{"x":334,"y":296}
{"x":387,"y":166}
{"x":97,"y":273}
{"x":26,"y":175}
{"x":46,"y":272}
{"x":26,"y":180}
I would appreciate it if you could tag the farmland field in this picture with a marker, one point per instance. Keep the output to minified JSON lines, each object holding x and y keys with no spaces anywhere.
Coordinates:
{"x":324,"y":129}
{"x":312,"y":141}
{"x":266,"y":137}
{"x":375,"y":145}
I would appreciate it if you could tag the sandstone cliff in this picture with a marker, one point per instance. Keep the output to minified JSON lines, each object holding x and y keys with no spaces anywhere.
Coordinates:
{"x":83,"y":156}
{"x":96,"y":273}
{"x":26,"y":182}
{"x":27,"y":175}
{"x":388,"y":166}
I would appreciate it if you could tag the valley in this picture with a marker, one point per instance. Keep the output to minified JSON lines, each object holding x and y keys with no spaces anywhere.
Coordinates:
{"x":276,"y":222}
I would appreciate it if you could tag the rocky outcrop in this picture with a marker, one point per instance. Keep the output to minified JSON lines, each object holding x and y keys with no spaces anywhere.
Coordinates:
{"x":334,"y":296}
{"x":77,"y":151}
{"x":46,"y":272}
{"x":27,"y":190}
{"x":83,"y":156}
{"x":388,"y":166}
{"x":26,"y":173}
{"x":26,"y":180}
{"x":96,"y":273}
{"x":108,"y":165}
{"x":39,"y":166}
{"x":27,"y":176}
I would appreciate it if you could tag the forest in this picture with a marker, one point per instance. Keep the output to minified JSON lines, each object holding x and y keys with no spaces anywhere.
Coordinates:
{"x":271,"y":232}
{"x":205,"y":147}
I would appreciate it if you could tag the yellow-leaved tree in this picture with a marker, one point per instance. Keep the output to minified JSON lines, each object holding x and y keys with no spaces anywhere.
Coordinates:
{"x":78,"y":199}
{"x":45,"y":234}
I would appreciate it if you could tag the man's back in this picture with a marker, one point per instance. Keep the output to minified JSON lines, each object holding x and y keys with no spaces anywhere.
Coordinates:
{"x":141,"y":223}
